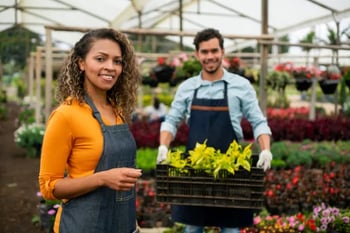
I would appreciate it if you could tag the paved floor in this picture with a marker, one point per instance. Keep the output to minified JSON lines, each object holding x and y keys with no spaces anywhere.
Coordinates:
{"x":296,"y":101}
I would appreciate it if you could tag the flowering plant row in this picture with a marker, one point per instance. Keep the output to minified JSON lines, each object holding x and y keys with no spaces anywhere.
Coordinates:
{"x":331,"y":72}
{"x":298,"y":189}
{"x":322,"y":219}
{"x":283,"y":128}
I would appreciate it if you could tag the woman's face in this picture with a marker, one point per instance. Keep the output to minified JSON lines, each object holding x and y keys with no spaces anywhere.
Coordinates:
{"x":210,"y":55}
{"x":102,"y":65}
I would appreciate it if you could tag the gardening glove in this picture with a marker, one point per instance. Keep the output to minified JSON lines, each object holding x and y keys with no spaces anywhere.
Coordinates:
{"x":264,"y":161}
{"x":162,"y":153}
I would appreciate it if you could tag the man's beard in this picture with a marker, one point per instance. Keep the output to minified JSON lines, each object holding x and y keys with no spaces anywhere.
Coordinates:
{"x":214,"y":70}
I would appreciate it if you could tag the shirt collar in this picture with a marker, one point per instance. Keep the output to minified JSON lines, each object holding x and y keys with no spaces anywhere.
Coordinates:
{"x":227,"y":77}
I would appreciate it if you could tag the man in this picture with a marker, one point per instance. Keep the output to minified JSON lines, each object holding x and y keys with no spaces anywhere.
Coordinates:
{"x":213,"y":103}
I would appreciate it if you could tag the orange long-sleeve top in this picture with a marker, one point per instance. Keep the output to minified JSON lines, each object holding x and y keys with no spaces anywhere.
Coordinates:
{"x":72,"y":146}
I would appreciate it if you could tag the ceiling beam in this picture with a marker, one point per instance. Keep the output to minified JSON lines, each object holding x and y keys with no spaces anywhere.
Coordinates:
{"x":142,"y":31}
{"x":84,"y":11}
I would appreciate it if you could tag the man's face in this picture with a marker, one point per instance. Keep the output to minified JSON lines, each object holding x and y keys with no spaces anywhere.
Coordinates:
{"x":210,"y":55}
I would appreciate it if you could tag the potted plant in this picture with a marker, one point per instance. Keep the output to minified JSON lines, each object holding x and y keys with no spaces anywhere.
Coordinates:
{"x":329,"y":79}
{"x":303,"y":76}
{"x":163,"y":72}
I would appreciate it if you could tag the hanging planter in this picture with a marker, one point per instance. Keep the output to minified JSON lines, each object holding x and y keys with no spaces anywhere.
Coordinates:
{"x":163,"y":73}
{"x":329,"y":79}
{"x":303,"y":76}
{"x":303,"y":84}
{"x":328,"y":86}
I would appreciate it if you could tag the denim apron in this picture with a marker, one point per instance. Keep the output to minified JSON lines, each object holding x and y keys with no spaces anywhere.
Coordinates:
{"x":210,"y":119}
{"x":105,"y":210}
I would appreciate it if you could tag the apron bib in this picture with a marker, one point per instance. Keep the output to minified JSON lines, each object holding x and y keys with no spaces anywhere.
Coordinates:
{"x":210,"y":120}
{"x":105,"y":210}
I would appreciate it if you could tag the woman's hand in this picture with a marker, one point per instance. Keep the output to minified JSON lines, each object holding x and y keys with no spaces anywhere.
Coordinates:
{"x":121,"y":179}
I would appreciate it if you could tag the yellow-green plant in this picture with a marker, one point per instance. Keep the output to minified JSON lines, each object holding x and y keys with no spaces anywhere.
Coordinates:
{"x":212,"y":160}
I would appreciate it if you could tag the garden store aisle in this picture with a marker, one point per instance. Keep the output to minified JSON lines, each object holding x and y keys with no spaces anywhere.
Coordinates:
{"x":19,"y":183}
{"x":19,"y":180}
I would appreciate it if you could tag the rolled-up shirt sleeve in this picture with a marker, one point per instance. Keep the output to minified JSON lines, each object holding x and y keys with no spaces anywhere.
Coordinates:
{"x":243,"y":102}
{"x":57,"y":145}
{"x":180,"y":107}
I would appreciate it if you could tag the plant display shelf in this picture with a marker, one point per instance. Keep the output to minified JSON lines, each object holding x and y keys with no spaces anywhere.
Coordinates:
{"x":195,"y":187}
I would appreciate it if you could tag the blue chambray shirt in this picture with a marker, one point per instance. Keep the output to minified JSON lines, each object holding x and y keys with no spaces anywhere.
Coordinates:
{"x":242,"y":102}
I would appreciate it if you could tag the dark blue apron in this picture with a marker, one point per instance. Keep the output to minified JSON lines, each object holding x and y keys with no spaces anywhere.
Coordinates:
{"x":210,"y":119}
{"x":105,"y":210}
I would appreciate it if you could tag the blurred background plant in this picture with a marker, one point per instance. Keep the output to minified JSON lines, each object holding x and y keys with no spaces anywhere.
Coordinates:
{"x":47,"y":210}
{"x":30,"y":137}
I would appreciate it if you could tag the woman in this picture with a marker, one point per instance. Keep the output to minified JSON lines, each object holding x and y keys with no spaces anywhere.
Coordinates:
{"x":88,"y":152}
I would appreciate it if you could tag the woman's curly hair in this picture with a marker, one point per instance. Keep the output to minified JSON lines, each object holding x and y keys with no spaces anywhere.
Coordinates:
{"x":123,"y":94}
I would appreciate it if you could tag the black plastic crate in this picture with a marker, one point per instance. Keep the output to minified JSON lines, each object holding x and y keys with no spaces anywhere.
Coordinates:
{"x":242,"y":190}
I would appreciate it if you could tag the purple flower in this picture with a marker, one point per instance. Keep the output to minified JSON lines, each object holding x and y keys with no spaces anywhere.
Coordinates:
{"x":51,"y":212}
{"x":323,"y":227}
{"x":335,"y":211}
{"x":324,"y":221}
{"x":346,"y":219}
{"x":317,"y":210}
{"x":325,"y":212}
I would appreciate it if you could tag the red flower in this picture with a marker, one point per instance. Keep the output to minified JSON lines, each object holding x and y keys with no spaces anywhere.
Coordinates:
{"x":295,"y":180}
{"x":311,"y":223}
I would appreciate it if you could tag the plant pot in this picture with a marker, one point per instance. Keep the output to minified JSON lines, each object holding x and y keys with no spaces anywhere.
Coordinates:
{"x":163,"y":73}
{"x":303,"y":84}
{"x":328,"y":86}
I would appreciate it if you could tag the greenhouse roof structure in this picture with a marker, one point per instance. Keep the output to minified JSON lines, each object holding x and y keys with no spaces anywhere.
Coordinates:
{"x":231,"y":17}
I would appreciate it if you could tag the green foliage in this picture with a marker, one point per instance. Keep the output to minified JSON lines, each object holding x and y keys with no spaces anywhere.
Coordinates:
{"x":30,"y":138}
{"x":315,"y":154}
{"x":146,"y":159}
{"x":3,"y":111}
{"x":16,"y":45}
{"x":278,"y":80}
{"x":212,"y":160}
{"x":164,"y":98}
{"x":27,"y":116}
{"x":299,"y":158}
{"x":339,"y":222}
{"x":18,"y":81}
{"x":308,"y":39}
{"x":191,"y":67}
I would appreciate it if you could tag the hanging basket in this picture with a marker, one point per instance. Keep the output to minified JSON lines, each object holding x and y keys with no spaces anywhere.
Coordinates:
{"x":303,"y":84}
{"x":328,"y":86}
{"x":163,"y":73}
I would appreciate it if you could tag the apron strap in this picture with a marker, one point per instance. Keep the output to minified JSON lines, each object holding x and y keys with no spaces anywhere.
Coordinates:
{"x":95,"y":112}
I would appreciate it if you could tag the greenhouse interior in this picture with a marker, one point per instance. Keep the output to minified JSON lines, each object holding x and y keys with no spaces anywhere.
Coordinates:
{"x":293,"y":56}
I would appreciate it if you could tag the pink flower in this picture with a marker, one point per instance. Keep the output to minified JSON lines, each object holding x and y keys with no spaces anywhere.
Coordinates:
{"x":301,"y":227}
{"x":257,"y":220}
{"x":51,"y":212}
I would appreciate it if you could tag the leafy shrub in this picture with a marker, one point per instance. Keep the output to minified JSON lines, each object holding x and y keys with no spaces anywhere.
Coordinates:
{"x":30,"y":138}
